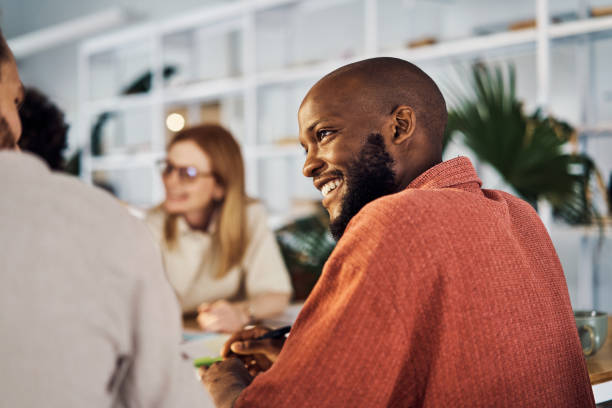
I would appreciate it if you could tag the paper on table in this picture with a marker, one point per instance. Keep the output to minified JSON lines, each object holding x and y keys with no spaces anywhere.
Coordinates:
{"x":204,"y":345}
{"x":198,"y":343}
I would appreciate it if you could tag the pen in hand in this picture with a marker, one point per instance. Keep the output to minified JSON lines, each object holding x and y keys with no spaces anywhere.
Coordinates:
{"x":275,"y":334}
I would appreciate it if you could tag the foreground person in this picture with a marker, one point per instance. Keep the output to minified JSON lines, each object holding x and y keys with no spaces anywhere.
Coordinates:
{"x":439,"y":293}
{"x":88,"y":318}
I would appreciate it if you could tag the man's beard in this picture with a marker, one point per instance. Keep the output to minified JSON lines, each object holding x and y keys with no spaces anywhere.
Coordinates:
{"x":368,"y":177}
{"x":7,"y":139}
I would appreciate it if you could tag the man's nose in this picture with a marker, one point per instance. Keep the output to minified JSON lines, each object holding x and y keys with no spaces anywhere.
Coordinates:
{"x":312,"y":164}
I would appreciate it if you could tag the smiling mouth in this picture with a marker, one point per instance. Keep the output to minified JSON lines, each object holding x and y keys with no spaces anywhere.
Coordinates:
{"x":331,"y":192}
{"x":330,"y":186}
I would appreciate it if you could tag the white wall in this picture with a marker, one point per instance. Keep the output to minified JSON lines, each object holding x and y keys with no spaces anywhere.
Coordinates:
{"x":23,"y":16}
{"x":54,"y":71}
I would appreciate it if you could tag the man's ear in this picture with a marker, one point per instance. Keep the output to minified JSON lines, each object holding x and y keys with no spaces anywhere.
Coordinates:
{"x":404,"y":123}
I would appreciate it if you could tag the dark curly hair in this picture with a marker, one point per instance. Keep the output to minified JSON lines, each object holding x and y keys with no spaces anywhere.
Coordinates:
{"x":44,"y":129}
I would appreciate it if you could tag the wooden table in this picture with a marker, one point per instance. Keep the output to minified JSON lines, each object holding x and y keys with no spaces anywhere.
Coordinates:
{"x":600,"y":365}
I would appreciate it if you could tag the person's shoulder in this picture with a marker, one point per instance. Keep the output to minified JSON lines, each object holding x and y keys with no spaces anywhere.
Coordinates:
{"x":388,"y":208}
{"x":38,"y":183}
{"x":514,"y":203}
{"x":86,"y":210}
{"x":255,"y":209}
{"x":409,"y":209}
{"x":256,"y":215}
{"x":155,"y":217}
{"x":18,"y":166}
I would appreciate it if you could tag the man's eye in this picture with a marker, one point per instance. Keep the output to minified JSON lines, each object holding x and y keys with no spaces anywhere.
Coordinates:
{"x":323,"y":133}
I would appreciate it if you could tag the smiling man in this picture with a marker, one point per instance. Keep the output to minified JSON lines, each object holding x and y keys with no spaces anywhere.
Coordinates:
{"x":346,"y":139}
{"x":439,"y":293}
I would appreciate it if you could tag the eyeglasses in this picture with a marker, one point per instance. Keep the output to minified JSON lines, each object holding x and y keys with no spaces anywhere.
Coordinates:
{"x":188,"y":173}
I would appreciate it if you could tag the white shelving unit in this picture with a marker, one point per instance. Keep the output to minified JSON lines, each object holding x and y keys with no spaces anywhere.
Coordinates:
{"x":250,"y":28}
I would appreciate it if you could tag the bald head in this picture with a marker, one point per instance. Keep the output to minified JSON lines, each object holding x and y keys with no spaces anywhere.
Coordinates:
{"x":369,"y":129}
{"x":380,"y":85}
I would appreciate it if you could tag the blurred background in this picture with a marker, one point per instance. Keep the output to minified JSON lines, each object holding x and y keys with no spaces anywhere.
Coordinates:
{"x":528,"y":85}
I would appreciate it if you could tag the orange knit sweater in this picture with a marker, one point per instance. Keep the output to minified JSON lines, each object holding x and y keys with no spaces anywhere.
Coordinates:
{"x":442,"y":295}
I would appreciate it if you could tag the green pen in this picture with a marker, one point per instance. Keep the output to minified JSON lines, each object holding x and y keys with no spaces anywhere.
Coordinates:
{"x":206,"y":361}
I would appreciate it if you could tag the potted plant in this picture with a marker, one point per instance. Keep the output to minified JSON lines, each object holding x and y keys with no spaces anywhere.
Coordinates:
{"x":526,"y":150}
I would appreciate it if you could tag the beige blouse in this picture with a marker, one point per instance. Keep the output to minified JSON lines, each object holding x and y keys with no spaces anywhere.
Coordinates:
{"x":192,"y":263}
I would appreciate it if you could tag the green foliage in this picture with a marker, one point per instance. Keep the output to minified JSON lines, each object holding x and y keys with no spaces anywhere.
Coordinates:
{"x":305,"y":245}
{"x":527,"y":150}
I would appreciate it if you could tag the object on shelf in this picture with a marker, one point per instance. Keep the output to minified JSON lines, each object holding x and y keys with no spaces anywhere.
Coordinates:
{"x":143,"y":83}
{"x":210,"y":112}
{"x":523,"y":25}
{"x":502,"y":27}
{"x":422,"y":42}
{"x":530,"y":23}
{"x":287,"y":141}
{"x":304,"y":63}
{"x":610,"y":194}
{"x":601,"y":11}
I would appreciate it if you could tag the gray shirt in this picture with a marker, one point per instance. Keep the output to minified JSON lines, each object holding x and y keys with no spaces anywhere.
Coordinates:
{"x":87,"y":316}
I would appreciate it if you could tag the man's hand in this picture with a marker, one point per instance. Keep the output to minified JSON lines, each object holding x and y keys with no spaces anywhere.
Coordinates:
{"x":225,"y":380}
{"x":256,"y":355}
{"x":221,"y":316}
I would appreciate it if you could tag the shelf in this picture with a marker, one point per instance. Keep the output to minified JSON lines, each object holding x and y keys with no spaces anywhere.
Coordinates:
{"x":108,"y":42}
{"x":181,"y":94}
{"x":244,"y":17}
{"x":203,"y":16}
{"x":441,"y":50}
{"x":580,"y":27}
{"x":123,"y":161}
{"x":121,"y":103}
{"x":300,"y":73}
{"x":603,"y":130}
{"x":203,"y":90}
{"x":454,"y":48}
{"x":273,"y":151}
{"x":212,"y":15}
{"x":468,"y":45}
{"x":445,"y":49}
{"x":120,"y":161}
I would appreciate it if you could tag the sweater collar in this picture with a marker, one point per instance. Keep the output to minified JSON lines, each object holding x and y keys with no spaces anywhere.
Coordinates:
{"x":184,"y":229}
{"x":455,"y":173}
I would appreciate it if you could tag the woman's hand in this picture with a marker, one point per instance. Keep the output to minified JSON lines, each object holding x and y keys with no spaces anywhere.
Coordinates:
{"x":222,"y":316}
{"x":257,"y":355}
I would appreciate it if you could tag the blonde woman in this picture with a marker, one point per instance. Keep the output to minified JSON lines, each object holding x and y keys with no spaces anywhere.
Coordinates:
{"x":220,"y":256}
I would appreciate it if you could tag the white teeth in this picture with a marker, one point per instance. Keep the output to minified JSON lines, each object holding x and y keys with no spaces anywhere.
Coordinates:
{"x":330,"y":186}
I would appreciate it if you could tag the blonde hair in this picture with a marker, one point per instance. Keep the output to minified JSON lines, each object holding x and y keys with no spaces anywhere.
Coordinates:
{"x":229,"y":238}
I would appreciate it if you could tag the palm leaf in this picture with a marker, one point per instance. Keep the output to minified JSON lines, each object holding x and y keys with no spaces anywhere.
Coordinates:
{"x":527,"y":151}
